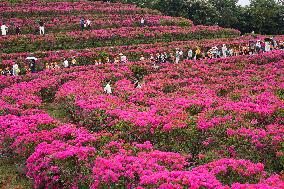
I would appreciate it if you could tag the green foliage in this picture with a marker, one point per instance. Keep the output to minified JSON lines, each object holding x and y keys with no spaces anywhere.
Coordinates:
{"x":261,"y":16}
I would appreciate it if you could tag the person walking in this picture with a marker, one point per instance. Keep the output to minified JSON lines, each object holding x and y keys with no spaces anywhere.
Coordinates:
{"x":258,"y":46}
{"x":17,"y":30}
{"x":82,"y":23}
{"x":15,"y":69}
{"x":142,"y":22}
{"x":65,"y":63}
{"x":88,"y":24}
{"x":107,"y":88}
{"x":177,"y":56}
{"x":41,"y":28}
{"x":33,"y":66}
{"x":189,"y":54}
{"x":224,"y":51}
{"x":4,"y":29}
{"x":267,"y":46}
{"x":123,"y":58}
{"x":73,"y":61}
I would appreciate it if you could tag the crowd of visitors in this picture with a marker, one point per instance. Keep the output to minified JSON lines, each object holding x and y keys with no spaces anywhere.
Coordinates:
{"x":223,"y":51}
{"x":175,"y":57}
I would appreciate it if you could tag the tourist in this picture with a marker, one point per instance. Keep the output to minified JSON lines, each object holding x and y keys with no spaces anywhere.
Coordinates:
{"x":107,"y":88}
{"x":41,"y":28}
{"x":17,"y":30}
{"x":152,"y":59}
{"x":47,"y":66}
{"x":82,"y":23}
{"x":189,"y":54}
{"x":1,"y":72}
{"x":258,"y":46}
{"x":7,"y":72}
{"x":73,"y":61}
{"x":224,"y":51}
{"x":142,"y":22}
{"x":209,"y":54}
{"x":177,"y":56}
{"x":4,"y":29}
{"x":137,"y":85}
{"x":123,"y":58}
{"x":33,"y":65}
{"x":163,"y":57}
{"x":142,"y":58}
{"x":65,"y":63}
{"x":15,"y":69}
{"x":267,"y":46}
{"x":166,"y":56}
{"x":88,"y":24}
{"x":56,"y":66}
{"x":158,"y":58}
{"x":197,"y":54}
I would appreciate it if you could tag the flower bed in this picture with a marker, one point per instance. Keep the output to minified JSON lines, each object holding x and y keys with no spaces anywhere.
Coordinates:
{"x":133,"y":52}
{"x":71,"y":23}
{"x":51,"y":9}
{"x":189,"y":125}
{"x":199,"y":124}
{"x":110,"y":37}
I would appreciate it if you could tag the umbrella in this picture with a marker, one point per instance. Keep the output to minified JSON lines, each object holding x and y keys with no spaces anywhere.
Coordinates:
{"x":31,"y":58}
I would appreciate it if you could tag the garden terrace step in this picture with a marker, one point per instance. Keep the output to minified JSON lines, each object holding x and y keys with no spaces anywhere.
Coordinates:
{"x":133,"y":52}
{"x":69,"y":8}
{"x":110,"y":37}
{"x":102,"y":21}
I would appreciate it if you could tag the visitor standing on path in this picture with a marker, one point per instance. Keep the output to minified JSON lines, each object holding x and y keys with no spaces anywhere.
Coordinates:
{"x":41,"y":28}
{"x":107,"y":88}
{"x":82,"y":23}
{"x":33,"y":66}
{"x":88,"y":24}
{"x":65,"y":63}
{"x":15,"y":69}
{"x":4,"y":29}
{"x":224,"y":51}
{"x":17,"y":30}
{"x":142,"y":22}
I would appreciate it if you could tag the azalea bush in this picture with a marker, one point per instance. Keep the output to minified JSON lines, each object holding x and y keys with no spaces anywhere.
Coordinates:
{"x":143,"y":137}
{"x":110,"y":37}
{"x":213,"y":123}
{"x":133,"y":52}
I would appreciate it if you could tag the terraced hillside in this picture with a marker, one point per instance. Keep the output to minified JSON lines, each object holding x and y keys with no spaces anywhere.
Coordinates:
{"x":196,"y":123}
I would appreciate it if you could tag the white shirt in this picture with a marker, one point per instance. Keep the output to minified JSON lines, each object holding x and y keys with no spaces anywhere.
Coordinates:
{"x":88,"y":22}
{"x":4,"y":29}
{"x":189,"y":54}
{"x":15,"y":67}
{"x":123,"y":58}
{"x":65,"y":63}
{"x":142,"y":21}
{"x":107,"y":89}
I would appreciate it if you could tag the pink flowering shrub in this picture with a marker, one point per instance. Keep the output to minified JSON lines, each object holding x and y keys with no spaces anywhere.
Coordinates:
{"x":214,"y":123}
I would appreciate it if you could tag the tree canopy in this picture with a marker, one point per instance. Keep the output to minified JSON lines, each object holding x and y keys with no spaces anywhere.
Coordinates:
{"x":261,"y":16}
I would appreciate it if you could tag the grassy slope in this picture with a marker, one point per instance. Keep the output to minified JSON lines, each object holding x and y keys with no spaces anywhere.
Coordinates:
{"x":10,"y":178}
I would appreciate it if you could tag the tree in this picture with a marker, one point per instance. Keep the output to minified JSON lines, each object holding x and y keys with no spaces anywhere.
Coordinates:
{"x":261,"y":16}
{"x":267,"y":16}
{"x":202,"y":12}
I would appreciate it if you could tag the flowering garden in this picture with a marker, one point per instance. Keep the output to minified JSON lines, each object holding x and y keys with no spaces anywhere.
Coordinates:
{"x":199,"y":124}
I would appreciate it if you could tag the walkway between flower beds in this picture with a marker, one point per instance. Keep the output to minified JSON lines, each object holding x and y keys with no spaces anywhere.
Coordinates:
{"x":57,"y":112}
{"x":10,"y":176}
